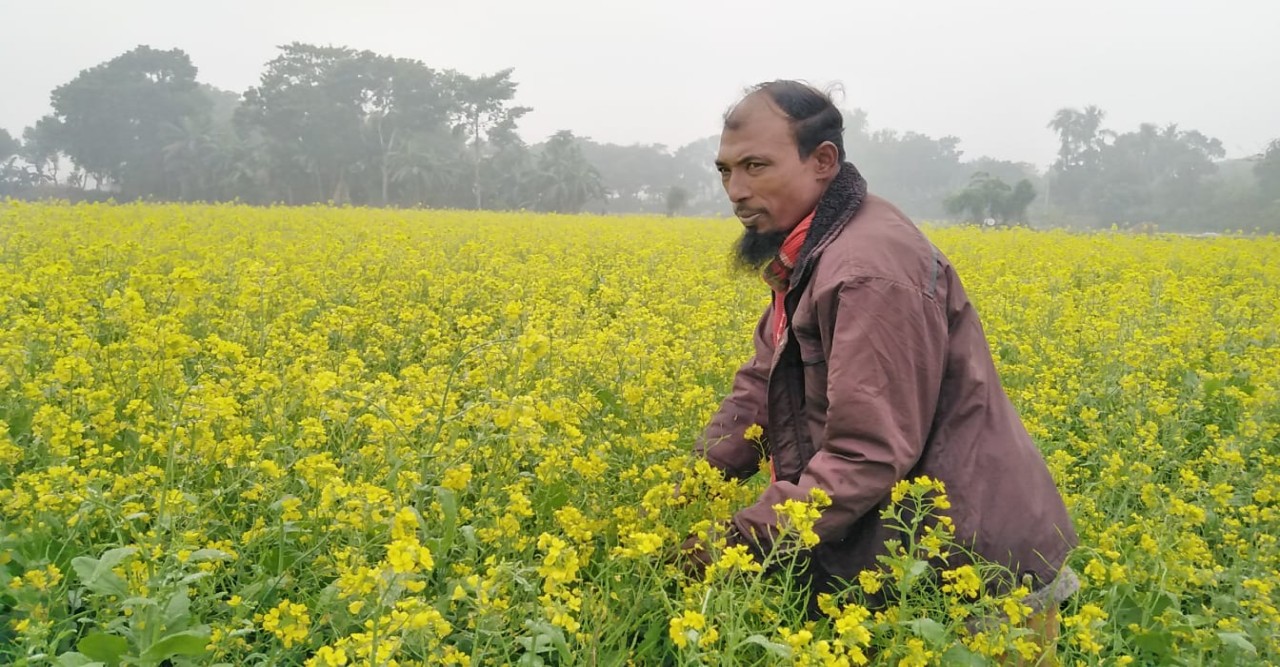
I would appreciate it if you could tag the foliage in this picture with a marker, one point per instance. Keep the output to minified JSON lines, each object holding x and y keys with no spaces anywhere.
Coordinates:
{"x":335,"y":124}
{"x":988,"y":197}
{"x":1151,"y":174}
{"x":677,"y":199}
{"x":9,"y":174}
{"x":235,"y":435}
{"x":111,"y":118}
{"x":1268,"y":171}
{"x":913,"y":170}
{"x":567,"y":180}
{"x":9,"y":146}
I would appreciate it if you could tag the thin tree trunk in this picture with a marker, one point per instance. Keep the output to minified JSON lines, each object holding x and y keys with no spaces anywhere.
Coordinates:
{"x":340,"y":195}
{"x":475,"y":142}
{"x":386,"y":163}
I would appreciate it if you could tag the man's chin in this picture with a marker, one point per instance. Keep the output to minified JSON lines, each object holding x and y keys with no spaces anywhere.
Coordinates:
{"x":754,"y":248}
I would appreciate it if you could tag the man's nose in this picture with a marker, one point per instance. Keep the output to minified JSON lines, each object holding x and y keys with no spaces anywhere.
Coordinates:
{"x":736,"y":187}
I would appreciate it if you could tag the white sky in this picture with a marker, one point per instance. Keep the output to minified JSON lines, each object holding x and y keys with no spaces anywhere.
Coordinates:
{"x":662,"y":71}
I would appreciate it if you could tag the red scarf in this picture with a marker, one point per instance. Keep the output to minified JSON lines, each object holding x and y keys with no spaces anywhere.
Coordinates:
{"x":777,"y":273}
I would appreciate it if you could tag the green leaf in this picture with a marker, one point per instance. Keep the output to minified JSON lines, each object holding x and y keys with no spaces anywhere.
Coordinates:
{"x":780,"y":650}
{"x":928,"y":629}
{"x":1237,"y":641}
{"x":96,"y":574}
{"x":194,"y":577}
{"x":469,"y":536}
{"x":654,"y":635}
{"x":537,"y":643}
{"x":544,"y":638}
{"x":191,"y":642}
{"x":201,"y":555}
{"x":449,"y":503}
{"x":1158,"y":643}
{"x":917,"y":570}
{"x":530,"y":660}
{"x":178,"y":612}
{"x":959,"y":656}
{"x":251,"y":591}
{"x":74,"y":659}
{"x":103,"y":647}
{"x":113,"y":557}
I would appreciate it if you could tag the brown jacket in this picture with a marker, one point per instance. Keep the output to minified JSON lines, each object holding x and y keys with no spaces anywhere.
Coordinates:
{"x":883,"y":374}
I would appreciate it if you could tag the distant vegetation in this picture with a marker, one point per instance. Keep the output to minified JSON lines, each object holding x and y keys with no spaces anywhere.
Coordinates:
{"x":332,"y":124}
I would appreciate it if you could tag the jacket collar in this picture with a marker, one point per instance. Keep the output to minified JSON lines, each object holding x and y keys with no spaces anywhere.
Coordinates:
{"x":838,"y":204}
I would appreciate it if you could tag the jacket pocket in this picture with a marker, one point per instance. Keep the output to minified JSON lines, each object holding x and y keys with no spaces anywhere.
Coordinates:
{"x":813,"y":360}
{"x":810,"y":345}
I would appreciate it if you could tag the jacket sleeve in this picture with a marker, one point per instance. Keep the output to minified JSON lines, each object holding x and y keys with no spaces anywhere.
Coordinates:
{"x":722,"y":442}
{"x":884,"y":373}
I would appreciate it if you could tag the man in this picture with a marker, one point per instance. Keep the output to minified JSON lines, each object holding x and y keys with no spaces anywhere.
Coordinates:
{"x":870,"y":364}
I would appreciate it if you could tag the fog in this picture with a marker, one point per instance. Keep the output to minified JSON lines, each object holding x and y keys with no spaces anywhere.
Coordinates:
{"x":990,"y":74}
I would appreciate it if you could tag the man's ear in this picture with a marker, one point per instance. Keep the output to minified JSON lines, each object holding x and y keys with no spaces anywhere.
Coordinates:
{"x":828,"y":157}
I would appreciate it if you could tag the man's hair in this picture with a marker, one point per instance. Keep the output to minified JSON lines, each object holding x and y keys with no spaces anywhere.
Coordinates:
{"x":814,"y":116}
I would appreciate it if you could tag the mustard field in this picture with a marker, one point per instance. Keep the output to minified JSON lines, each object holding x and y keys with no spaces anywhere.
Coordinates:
{"x":326,"y":436}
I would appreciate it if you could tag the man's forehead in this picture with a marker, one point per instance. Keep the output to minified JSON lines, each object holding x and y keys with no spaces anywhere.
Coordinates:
{"x":754,"y":132}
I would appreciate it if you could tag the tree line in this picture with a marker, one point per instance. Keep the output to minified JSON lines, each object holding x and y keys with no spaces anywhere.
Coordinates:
{"x":1167,"y":175}
{"x":333,"y":124}
{"x":324,"y":124}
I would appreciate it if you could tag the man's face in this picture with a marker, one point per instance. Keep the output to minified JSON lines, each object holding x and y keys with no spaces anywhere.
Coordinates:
{"x":770,"y":187}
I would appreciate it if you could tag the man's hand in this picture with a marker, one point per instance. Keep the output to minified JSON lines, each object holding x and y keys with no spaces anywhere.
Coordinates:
{"x":694,"y":557}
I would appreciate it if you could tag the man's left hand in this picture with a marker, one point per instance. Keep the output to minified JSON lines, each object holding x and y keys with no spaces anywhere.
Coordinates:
{"x":694,"y":557}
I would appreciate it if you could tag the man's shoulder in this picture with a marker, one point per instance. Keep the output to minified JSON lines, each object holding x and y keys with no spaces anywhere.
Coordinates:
{"x":874,"y":205}
{"x":879,"y":241}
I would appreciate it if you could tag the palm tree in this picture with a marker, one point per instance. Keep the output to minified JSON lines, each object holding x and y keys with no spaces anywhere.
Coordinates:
{"x":1081,"y":137}
{"x":189,"y":153}
{"x":568,"y":180}
{"x":431,"y":168}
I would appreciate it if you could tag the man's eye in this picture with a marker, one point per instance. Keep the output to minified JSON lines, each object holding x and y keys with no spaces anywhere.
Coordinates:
{"x":755,"y":166}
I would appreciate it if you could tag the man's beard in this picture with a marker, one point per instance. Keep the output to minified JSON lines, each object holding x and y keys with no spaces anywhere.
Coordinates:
{"x":754,"y":248}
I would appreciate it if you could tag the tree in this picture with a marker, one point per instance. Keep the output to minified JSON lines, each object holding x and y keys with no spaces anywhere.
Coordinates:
{"x":192,"y":155}
{"x":567,"y":180}
{"x":677,"y":198}
{"x":1266,"y":209}
{"x":111,"y":117}
{"x":510,"y":175}
{"x":398,"y":97}
{"x":245,"y":168}
{"x":482,"y":108}
{"x":637,"y":176}
{"x":348,"y":125}
{"x":40,"y":148}
{"x":1154,"y":174}
{"x":222,"y":104}
{"x":431,"y":168}
{"x":1005,"y":170}
{"x":1015,"y":204}
{"x":989,"y":197}
{"x":1080,"y":136}
{"x":9,"y":146}
{"x":1267,"y":171}
{"x":1081,"y":141}
{"x":695,"y":172}
{"x":309,"y":121}
{"x":913,"y":170}
{"x":206,"y":156}
{"x":11,"y":176}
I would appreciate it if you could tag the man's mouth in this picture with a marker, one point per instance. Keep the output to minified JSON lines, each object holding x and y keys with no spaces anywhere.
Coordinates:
{"x":750,"y":220}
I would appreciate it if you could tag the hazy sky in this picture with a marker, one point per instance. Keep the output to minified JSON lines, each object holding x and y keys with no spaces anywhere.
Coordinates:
{"x":662,"y":71}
